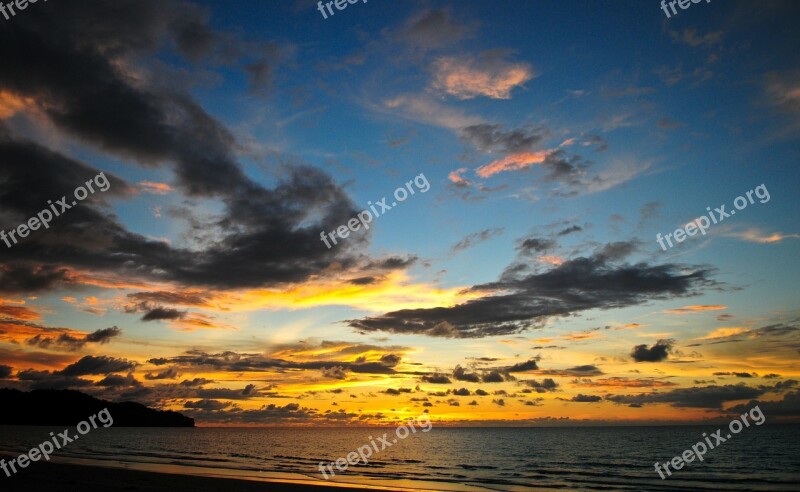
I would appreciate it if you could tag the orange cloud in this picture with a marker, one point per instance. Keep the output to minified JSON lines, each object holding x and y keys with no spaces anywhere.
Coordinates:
{"x":24,"y":359}
{"x":11,"y":104}
{"x":198,"y":321}
{"x":758,"y":236}
{"x":623,"y":382}
{"x":457,"y":178}
{"x":725,"y":331}
{"x":695,"y":309}
{"x":19,"y":312}
{"x":486,"y":75}
{"x":20,"y":331}
{"x":154,"y":188}
{"x":630,"y":326}
{"x":552,"y":260}
{"x":513,"y":162}
{"x":585,"y":335}
{"x":108,"y":281}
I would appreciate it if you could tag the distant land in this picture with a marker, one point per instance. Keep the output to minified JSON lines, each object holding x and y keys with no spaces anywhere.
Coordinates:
{"x":68,"y":407}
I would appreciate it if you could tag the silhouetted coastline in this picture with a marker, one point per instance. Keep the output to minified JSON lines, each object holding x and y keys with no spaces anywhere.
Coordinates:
{"x":69,"y":407}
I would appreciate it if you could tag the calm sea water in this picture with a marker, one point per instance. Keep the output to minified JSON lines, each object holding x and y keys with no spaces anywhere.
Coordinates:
{"x":619,"y":458}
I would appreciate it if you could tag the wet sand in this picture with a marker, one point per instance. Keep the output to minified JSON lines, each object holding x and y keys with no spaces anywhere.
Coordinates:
{"x":49,"y":477}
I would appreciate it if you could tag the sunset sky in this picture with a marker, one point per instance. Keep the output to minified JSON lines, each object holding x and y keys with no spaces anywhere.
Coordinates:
{"x":525,"y":285}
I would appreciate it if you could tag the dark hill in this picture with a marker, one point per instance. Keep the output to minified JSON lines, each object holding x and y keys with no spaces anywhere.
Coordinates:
{"x":68,"y":407}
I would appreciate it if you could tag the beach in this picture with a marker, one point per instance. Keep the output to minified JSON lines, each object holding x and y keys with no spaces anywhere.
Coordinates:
{"x":59,"y":476}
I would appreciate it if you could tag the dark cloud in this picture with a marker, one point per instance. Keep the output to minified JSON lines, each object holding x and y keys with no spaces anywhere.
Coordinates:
{"x":566,"y":169}
{"x":390,"y":360}
{"x":398,"y":391}
{"x":249,"y":391}
{"x":337,"y":372}
{"x":103,"y":335}
{"x":436,"y":379}
{"x":169,"y":373}
{"x":529,"y":365}
{"x":291,"y":413}
{"x":579,"y":398}
{"x":166,"y":297}
{"x":461,"y":374}
{"x":71,"y":342}
{"x":97,"y":365}
{"x":781,"y":385}
{"x":617,"y":251}
{"x":364,"y":280}
{"x":476,"y":238}
{"x":789,"y":406}
{"x":696,"y":397}
{"x":393,"y":263}
{"x":545,"y":385}
{"x":5,"y":371}
{"x":115,"y":380}
{"x":569,"y":230}
{"x":527,"y":299}
{"x":580,"y":371}
{"x":237,"y":362}
{"x":162,"y":313}
{"x":536,"y":245}
{"x":25,"y":278}
{"x":207,"y":404}
{"x":492,"y":138}
{"x":658,"y":352}
{"x":776,"y":330}
{"x":49,"y":380}
{"x":371,"y":368}
{"x":493,"y":377}
{"x":195,"y":382}
{"x":264,"y":236}
{"x":737,"y":374}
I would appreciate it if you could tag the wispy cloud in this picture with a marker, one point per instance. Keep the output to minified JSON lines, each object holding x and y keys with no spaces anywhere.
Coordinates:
{"x":154,"y":188}
{"x":696,"y":309}
{"x":513,"y":162}
{"x":755,"y":235}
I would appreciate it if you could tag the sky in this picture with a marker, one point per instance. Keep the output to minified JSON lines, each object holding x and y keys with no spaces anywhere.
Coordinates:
{"x":528,"y":273}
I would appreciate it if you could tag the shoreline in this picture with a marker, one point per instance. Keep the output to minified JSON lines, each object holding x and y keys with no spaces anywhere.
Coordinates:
{"x":91,"y":475}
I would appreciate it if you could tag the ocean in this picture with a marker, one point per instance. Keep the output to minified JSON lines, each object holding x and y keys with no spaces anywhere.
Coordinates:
{"x":583,"y":458}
